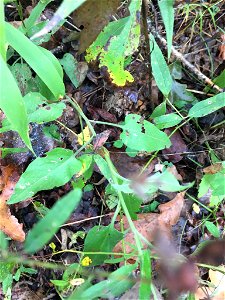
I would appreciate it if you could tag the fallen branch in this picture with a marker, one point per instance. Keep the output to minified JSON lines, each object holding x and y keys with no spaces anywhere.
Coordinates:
{"x":183,"y":60}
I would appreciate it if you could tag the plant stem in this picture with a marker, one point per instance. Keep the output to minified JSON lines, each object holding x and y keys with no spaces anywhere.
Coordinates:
{"x":123,"y":204}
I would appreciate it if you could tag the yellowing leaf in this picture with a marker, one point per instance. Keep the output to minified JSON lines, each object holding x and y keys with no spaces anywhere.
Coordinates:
{"x":84,"y":136}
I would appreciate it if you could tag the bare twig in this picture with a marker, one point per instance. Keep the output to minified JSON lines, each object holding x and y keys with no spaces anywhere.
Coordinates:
{"x":185,"y":62}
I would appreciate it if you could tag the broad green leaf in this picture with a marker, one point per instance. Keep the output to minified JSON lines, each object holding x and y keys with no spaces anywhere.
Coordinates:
{"x":167,"y":12}
{"x":160,"y":70}
{"x":167,"y":121}
{"x":71,"y":67}
{"x":55,"y":62}
{"x":12,"y":104}
{"x":117,"y":283}
{"x":5,"y":269}
{"x":37,"y":59}
{"x":212,"y":229}
{"x":44,"y":230}
{"x":45,"y":173}
{"x":220,"y":80}
{"x":179,"y":95}
{"x":65,"y":9}
{"x":101,"y":239}
{"x":146,"y":274}
{"x":159,"y":110}
{"x":103,"y":167}
{"x":23,"y":75}
{"x":133,"y":204}
{"x":215,"y":184}
{"x":125,"y":44}
{"x":39,"y":111}
{"x":142,"y":135}
{"x":112,"y":29}
{"x":207,"y":106}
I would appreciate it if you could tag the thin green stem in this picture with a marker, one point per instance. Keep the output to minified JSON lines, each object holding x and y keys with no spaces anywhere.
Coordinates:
{"x":123,"y":204}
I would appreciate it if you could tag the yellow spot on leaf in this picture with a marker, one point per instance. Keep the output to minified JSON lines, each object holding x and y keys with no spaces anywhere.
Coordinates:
{"x":84,"y":136}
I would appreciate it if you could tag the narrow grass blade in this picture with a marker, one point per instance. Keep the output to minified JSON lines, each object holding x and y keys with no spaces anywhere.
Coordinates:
{"x":12,"y":104}
{"x":44,"y":230}
{"x":37,"y":59}
{"x":63,"y":12}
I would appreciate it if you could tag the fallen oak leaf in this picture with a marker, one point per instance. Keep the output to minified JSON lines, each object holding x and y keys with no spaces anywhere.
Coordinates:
{"x":148,"y":224}
{"x":8,"y":223}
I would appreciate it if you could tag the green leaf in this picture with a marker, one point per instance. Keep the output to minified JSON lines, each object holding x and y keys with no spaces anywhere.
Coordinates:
{"x":3,"y":242}
{"x":117,"y":283}
{"x":71,"y":67}
{"x":207,"y":106}
{"x":146,"y":274}
{"x":167,"y":121}
{"x":142,"y":135}
{"x":164,"y":181}
{"x":103,"y":166}
{"x":167,"y":12}
{"x":133,"y":204}
{"x":212,"y":229}
{"x":121,"y":46}
{"x":45,"y":173}
{"x":6,"y":151}
{"x":65,"y":9}
{"x":159,"y":110}
{"x":12,"y":98}
{"x":220,"y":80}
{"x":22,"y":74}
{"x":160,"y":70}
{"x":101,"y":239}
{"x":44,"y":230}
{"x":38,"y":60}
{"x":113,"y":28}
{"x":214,"y":183}
{"x":39,"y":111}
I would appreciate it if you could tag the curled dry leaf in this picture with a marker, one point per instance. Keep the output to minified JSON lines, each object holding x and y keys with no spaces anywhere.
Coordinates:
{"x":8,"y":223}
{"x":213,"y":169}
{"x":150,"y":223}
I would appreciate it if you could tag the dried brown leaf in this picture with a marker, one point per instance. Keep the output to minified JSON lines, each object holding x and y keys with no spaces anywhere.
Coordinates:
{"x":213,"y":169}
{"x":150,"y":223}
{"x":8,"y":223}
